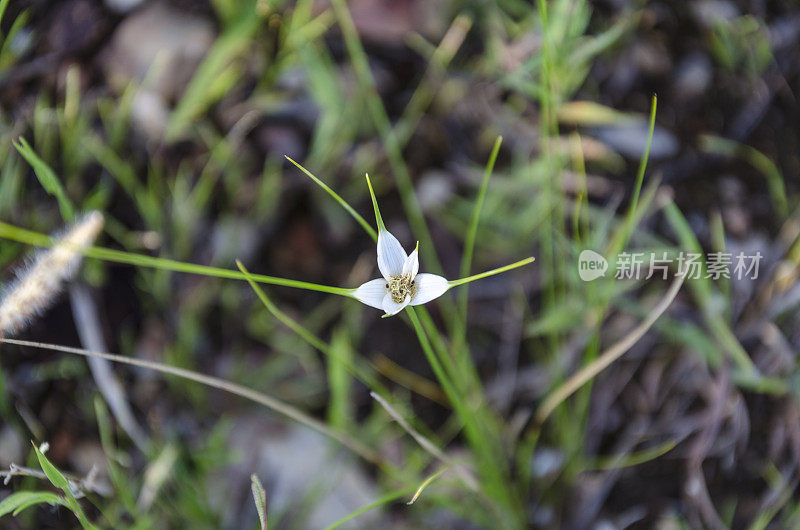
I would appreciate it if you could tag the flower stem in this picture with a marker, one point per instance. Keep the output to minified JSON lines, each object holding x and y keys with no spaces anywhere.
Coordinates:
{"x":492,"y":272}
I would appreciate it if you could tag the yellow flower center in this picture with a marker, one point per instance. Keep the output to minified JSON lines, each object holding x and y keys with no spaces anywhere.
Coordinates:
{"x":399,"y":287}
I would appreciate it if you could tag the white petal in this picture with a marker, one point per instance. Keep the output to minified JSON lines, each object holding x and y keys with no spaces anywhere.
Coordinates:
{"x":391,"y":307}
{"x":391,"y":255}
{"x":371,"y":293}
{"x":411,"y":265}
{"x":429,"y":286}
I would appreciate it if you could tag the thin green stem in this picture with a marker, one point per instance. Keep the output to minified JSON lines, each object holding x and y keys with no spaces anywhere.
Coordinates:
{"x":389,"y":497}
{"x":480,"y":437}
{"x":433,"y":360}
{"x":492,"y":272}
{"x":547,"y":132}
{"x":117,"y":256}
{"x":362,"y":374}
{"x":637,"y":187}
{"x":459,"y":321}
{"x":3,"y":6}
{"x":47,"y":178}
{"x":378,"y":217}
{"x":472,"y":230}
{"x":349,"y":209}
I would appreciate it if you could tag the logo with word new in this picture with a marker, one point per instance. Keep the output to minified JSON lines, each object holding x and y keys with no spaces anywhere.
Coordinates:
{"x":645,"y":265}
{"x":591,"y":265}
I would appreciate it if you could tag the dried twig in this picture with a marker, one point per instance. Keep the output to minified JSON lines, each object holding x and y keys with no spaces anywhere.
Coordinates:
{"x":87,"y":321}
{"x":79,"y":486}
{"x":215,"y":382}
{"x":463,"y":471}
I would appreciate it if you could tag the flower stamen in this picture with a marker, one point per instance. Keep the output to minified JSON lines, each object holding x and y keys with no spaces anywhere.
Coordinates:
{"x":399,"y":287}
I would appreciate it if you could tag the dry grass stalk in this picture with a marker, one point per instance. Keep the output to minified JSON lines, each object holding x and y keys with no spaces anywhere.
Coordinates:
{"x":38,"y":284}
{"x":610,"y":355}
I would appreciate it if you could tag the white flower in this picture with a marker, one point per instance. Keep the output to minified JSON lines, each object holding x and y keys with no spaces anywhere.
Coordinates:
{"x":400,"y":285}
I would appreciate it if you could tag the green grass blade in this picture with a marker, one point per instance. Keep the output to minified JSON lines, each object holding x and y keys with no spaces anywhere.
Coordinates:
{"x":218,"y":72}
{"x":460,"y":323}
{"x":60,"y":481}
{"x":482,"y":439}
{"x":520,"y":263}
{"x":425,"y":484}
{"x":382,"y":123}
{"x":17,"y":502}
{"x":633,"y":459}
{"x":3,"y":6}
{"x":775,"y":181}
{"x":426,"y":89}
{"x":47,"y":177}
{"x":364,"y":375}
{"x":380,"y":502}
{"x":472,"y":230}
{"x":703,"y":293}
{"x":344,"y":204}
{"x":118,"y":256}
{"x":53,"y":474}
{"x":637,"y":187}
{"x":378,"y":217}
{"x":260,"y":498}
{"x":339,"y":381}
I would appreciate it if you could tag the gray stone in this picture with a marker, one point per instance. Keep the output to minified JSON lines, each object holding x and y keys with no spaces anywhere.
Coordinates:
{"x":159,"y":44}
{"x":693,"y":75}
{"x":708,"y":13}
{"x":630,"y":139}
{"x":296,"y":465}
{"x":123,"y":6}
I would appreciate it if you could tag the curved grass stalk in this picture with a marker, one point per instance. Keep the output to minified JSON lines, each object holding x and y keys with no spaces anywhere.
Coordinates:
{"x":393,"y":496}
{"x":425,"y":484}
{"x":344,"y":204}
{"x":215,"y":382}
{"x":632,"y":459}
{"x":464,"y":472}
{"x":363,"y":375}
